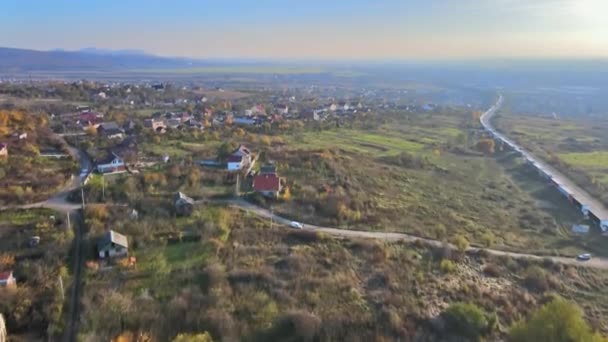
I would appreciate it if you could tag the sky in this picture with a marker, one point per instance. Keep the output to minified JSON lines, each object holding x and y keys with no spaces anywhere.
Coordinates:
{"x":314,"y":29}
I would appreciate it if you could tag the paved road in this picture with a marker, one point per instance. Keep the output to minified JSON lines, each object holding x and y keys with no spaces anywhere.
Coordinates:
{"x":594,"y":206}
{"x":388,"y":236}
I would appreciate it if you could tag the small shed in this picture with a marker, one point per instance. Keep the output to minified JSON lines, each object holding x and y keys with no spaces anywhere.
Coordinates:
{"x":112,"y":244}
{"x":184,"y":205}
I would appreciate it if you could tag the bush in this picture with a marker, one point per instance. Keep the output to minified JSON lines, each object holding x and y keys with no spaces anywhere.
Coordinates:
{"x":447,"y":266}
{"x":487,"y":239}
{"x":468,"y":320}
{"x":294,"y":326}
{"x":461,"y":243}
{"x":535,"y":278}
{"x":557,"y":321}
{"x":492,"y":270}
{"x":204,"y":337}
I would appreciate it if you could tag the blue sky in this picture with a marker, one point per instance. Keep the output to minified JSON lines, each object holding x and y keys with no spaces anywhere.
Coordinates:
{"x":337,"y":29}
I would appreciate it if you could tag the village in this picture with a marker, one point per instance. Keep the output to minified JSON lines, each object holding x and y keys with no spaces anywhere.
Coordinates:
{"x":158,"y":182}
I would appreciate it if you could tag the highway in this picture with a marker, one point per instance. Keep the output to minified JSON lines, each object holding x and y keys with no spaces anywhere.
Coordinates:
{"x":589,"y":205}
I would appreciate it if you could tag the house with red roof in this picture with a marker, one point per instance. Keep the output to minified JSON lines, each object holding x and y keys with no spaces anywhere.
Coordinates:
{"x":267,"y":184}
{"x":7,"y":279}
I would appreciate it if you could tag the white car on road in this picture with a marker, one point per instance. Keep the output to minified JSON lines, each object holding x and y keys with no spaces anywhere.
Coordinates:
{"x":584,"y":257}
{"x":296,"y":225}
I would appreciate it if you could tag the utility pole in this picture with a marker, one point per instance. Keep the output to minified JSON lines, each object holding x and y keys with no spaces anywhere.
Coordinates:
{"x":103,"y":187}
{"x":82,"y":195}
{"x":271,"y":215}
{"x":69,"y":225}
{"x":61,"y":288}
{"x":238,"y":181}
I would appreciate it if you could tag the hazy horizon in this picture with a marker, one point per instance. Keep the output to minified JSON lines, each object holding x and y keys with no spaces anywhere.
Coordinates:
{"x":354,"y":30}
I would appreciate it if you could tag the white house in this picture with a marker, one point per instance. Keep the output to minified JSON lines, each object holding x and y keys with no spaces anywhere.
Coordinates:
{"x":112,"y":244}
{"x":114,"y":163}
{"x":235,"y":163}
{"x":283,"y":109}
{"x":240,"y":158}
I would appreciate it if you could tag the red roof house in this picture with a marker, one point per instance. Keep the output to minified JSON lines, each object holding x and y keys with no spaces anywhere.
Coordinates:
{"x":267,"y":184}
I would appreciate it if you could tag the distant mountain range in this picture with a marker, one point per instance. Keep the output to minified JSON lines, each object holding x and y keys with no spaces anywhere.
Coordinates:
{"x":90,"y":59}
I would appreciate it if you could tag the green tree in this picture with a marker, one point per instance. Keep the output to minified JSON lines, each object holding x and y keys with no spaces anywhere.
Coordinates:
{"x":225,"y":149}
{"x":468,"y":320}
{"x":461,"y":243}
{"x":556,"y":321}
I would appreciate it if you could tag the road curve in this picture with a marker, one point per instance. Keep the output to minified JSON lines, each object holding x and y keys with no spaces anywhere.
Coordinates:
{"x":596,"y":262}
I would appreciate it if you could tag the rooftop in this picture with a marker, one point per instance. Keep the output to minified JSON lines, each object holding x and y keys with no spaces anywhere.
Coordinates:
{"x":266,"y":182}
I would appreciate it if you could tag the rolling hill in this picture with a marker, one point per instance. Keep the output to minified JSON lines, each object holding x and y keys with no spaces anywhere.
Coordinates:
{"x":21,"y":60}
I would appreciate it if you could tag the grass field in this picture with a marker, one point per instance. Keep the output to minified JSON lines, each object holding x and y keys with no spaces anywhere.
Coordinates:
{"x":243,"y":284}
{"x":495,"y":200}
{"x":355,"y":141}
{"x":587,"y":160}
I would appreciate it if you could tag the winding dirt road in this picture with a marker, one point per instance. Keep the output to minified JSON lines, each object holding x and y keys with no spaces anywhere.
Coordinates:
{"x":596,"y":262}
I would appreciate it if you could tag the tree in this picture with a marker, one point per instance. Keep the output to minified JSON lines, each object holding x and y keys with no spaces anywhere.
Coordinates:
{"x":204,"y":337}
{"x":557,"y":321}
{"x":287,"y":194}
{"x":91,"y":130}
{"x":225,"y":149}
{"x":461,"y":243}
{"x":468,"y":320}
{"x":486,"y":146}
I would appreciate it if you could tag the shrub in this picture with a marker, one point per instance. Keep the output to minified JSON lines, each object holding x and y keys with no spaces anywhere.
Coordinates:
{"x":461,"y":243}
{"x":557,"y":321}
{"x":447,"y":266}
{"x":492,"y":270}
{"x":535,"y":278}
{"x":204,"y":337}
{"x":304,"y":236}
{"x":295,"y":326}
{"x":487,"y":239}
{"x":467,"y":320}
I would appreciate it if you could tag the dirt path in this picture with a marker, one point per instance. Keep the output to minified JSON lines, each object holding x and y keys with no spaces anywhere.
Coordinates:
{"x":74,"y":304}
{"x":388,"y":236}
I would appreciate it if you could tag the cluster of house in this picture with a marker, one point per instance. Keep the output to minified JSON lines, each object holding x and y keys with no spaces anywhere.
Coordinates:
{"x":339,"y":108}
{"x":159,"y":122}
